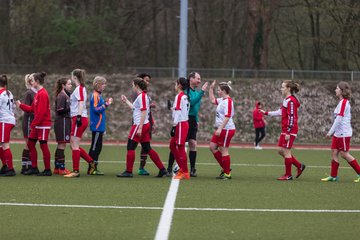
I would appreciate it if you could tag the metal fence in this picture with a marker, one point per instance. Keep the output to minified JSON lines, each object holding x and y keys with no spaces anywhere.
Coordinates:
{"x":233,"y":73}
{"x":251,"y":73}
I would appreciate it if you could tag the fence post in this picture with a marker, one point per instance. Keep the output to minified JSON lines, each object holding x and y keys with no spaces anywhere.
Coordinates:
{"x":233,"y":73}
{"x":352,"y":75}
{"x":292,"y":74}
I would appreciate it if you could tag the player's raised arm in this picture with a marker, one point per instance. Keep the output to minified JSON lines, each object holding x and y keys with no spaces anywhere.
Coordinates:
{"x":211,"y":92}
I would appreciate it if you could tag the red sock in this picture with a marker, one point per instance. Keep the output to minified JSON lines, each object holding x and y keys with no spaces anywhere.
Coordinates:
{"x":334,"y":168}
{"x":226,"y":164}
{"x":156,"y":159}
{"x":84,"y":155}
{"x":46,"y":155}
{"x":9,"y":158}
{"x":355,"y":165}
{"x":130,"y":159}
{"x":2,"y":157}
{"x":183,"y":159}
{"x":76,"y":159}
{"x":288,"y":162}
{"x":295,"y":162}
{"x":218,"y":158}
{"x":33,"y":153}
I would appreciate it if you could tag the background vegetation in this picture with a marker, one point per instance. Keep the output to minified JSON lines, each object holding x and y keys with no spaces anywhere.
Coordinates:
{"x":317,"y":100}
{"x":110,"y":35}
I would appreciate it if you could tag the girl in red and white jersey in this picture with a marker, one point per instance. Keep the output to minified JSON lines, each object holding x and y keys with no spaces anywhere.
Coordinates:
{"x":140,"y":130}
{"x":180,"y":128}
{"x":225,"y":127}
{"x":7,"y":123}
{"x":289,"y":127}
{"x":341,"y":133}
{"x":79,"y":119}
{"x":40,"y":126}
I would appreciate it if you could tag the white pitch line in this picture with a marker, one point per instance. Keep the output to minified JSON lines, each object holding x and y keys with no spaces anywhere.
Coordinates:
{"x":163,"y":229}
{"x":77,"y":206}
{"x":271,"y":210}
{"x":185,"y":209}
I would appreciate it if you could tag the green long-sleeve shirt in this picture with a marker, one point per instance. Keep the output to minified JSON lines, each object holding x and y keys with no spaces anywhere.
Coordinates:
{"x":195,"y":101}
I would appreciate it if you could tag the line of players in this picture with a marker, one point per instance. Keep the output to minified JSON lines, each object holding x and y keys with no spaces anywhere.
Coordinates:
{"x":72,"y":120}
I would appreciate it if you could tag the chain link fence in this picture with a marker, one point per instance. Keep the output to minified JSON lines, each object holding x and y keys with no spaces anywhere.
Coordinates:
{"x":232,"y":73}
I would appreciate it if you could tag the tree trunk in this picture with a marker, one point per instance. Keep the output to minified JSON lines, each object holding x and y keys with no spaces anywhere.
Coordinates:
{"x":5,"y":32}
{"x":154,"y":31}
{"x":259,"y":26}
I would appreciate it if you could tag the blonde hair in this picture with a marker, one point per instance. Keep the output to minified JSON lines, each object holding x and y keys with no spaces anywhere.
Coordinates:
{"x":28,"y":78}
{"x":225,"y":86}
{"x":98,"y":80}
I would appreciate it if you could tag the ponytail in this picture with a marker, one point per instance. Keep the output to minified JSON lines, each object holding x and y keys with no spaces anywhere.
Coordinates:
{"x":80,"y":74}
{"x":3,"y":81}
{"x":183,"y":82}
{"x":39,"y":77}
{"x":294,"y":86}
{"x":225,"y":86}
{"x":140,"y":83}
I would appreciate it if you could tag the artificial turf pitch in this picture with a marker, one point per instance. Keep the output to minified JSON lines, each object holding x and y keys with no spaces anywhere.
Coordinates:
{"x":249,"y":206}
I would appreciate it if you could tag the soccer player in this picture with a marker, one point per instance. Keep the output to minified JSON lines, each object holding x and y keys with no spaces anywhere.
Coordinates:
{"x":289,"y":127}
{"x":97,"y":121}
{"x":259,"y":124}
{"x":79,"y":124}
{"x":140,"y":130}
{"x":341,"y":133}
{"x":180,"y":128}
{"x":40,"y":126}
{"x":62,"y":124}
{"x":7,"y":123}
{"x":225,"y":127}
{"x":26,"y":122}
{"x":143,"y":155}
{"x":194,"y":97}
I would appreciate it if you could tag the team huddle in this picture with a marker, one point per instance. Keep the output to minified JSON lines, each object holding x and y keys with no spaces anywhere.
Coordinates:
{"x":72,"y":120}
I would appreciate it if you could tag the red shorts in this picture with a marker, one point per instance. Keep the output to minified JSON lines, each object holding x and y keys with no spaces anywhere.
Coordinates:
{"x":40,"y":133}
{"x":224,"y":139}
{"x":145,"y":134}
{"x":286,"y":144}
{"x":78,"y":131}
{"x":341,"y":143}
{"x":5,"y":129}
{"x":181,"y":132}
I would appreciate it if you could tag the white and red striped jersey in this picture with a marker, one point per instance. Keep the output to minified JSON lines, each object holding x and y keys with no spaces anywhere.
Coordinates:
{"x":181,"y":108}
{"x":141,"y":103}
{"x":342,"y":120}
{"x":289,"y":115}
{"x":225,"y":108}
{"x":6,"y":107}
{"x":78,"y":95}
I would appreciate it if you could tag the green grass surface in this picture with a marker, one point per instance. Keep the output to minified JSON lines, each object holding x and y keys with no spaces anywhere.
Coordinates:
{"x":253,"y":186}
